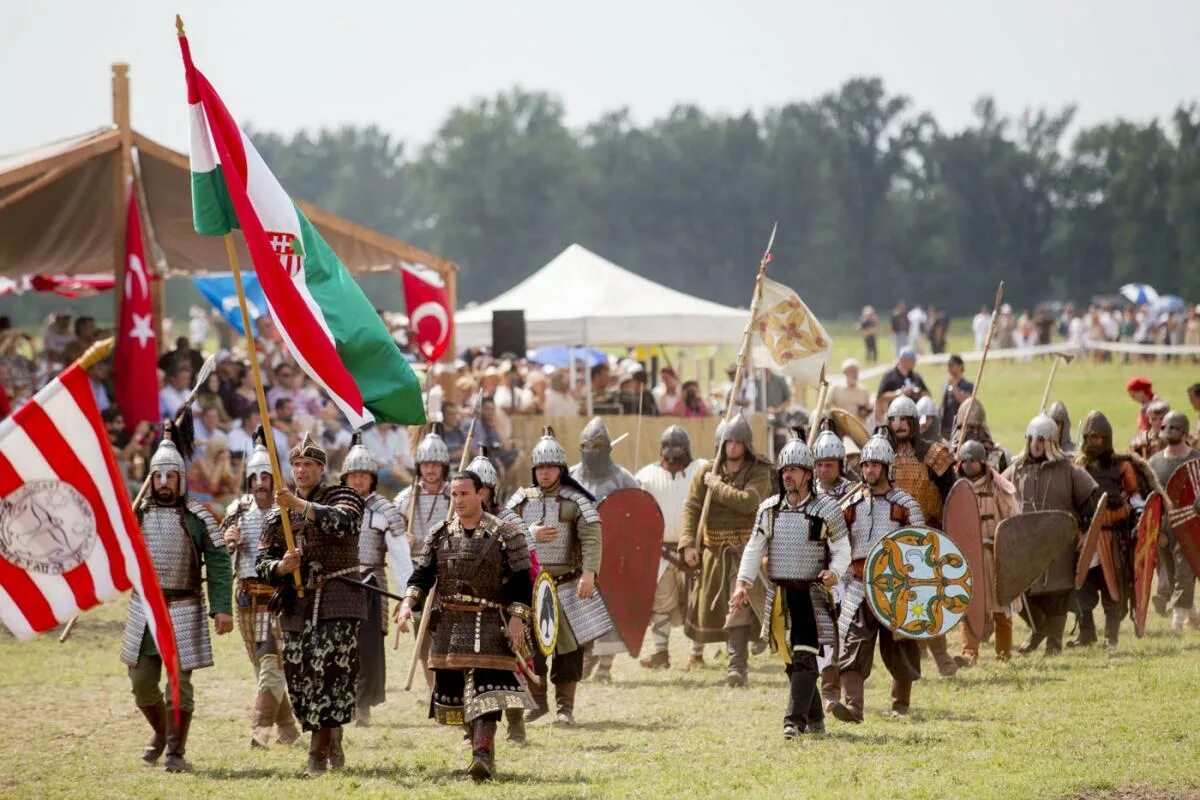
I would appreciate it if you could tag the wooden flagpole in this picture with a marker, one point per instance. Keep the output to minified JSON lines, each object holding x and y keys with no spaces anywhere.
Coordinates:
{"x":263,"y":410}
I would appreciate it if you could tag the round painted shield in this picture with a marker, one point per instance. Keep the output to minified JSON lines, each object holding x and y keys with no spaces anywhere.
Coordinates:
{"x":545,"y":613}
{"x":918,"y":583}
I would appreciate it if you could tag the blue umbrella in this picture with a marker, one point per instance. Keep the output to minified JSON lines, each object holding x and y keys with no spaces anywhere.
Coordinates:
{"x":1138,"y":293}
{"x":1168,"y":304}
{"x":560,"y":356}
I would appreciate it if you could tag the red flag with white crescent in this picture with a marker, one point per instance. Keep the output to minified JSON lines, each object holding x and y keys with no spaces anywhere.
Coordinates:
{"x":135,"y":367}
{"x":429,"y":312}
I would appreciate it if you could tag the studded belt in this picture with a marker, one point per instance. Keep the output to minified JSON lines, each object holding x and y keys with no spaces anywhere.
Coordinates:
{"x":715,"y":540}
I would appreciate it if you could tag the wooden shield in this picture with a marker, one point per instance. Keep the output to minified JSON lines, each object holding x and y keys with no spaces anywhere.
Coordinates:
{"x":1183,"y":489}
{"x":917,"y":582}
{"x":631,"y":525}
{"x":1108,"y":559}
{"x":545,"y":613}
{"x":962,"y":525}
{"x":849,"y":425}
{"x":1091,"y":541}
{"x":1026,"y":545}
{"x":1145,"y":557}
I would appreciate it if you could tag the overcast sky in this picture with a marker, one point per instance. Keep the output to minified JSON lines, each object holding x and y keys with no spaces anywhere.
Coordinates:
{"x":403,"y":65}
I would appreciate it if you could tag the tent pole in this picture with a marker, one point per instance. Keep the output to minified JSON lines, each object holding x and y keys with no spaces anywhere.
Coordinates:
{"x":587,"y":382}
{"x":120,"y":110}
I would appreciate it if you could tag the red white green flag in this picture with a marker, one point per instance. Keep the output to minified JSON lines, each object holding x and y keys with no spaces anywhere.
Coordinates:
{"x":327,"y":323}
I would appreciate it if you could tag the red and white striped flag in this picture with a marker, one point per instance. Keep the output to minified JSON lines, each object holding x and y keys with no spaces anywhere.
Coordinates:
{"x":68,"y":537}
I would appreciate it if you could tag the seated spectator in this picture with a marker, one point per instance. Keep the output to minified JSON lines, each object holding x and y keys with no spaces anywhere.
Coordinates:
{"x":132,"y":449}
{"x":183,"y":353}
{"x":290,"y":382}
{"x":851,"y":396}
{"x":208,"y":429}
{"x":175,"y":390}
{"x":669,"y":392}
{"x":85,"y":335}
{"x":691,"y":404}
{"x":211,"y":479}
{"x":56,"y":336}
{"x":635,"y":398}
{"x":99,"y":377}
{"x":393,"y":455}
{"x":454,"y":434}
{"x":559,"y":401}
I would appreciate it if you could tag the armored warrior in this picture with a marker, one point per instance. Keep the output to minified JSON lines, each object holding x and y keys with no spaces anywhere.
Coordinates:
{"x":242,"y":529}
{"x":381,"y":525}
{"x":431,"y":506}
{"x":1127,"y":481}
{"x":597,"y":473}
{"x":183,"y":539}
{"x":668,"y":481}
{"x":1062,"y":418}
{"x":997,"y":501}
{"x":927,"y":419}
{"x":829,"y":457}
{"x":924,"y":471}
{"x":1151,"y":440}
{"x":1046,"y":480}
{"x":566,"y":530}
{"x":481,"y":566}
{"x":803,"y":536}
{"x":1176,"y":582}
{"x":320,"y":627}
{"x":872,"y":510}
{"x":743,"y":482}
{"x":971,"y":425}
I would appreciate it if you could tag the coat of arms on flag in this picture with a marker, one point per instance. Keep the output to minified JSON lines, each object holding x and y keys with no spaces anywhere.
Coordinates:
{"x":789,"y":338}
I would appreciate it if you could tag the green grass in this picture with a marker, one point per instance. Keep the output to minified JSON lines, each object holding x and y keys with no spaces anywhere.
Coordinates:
{"x":1034,"y":728}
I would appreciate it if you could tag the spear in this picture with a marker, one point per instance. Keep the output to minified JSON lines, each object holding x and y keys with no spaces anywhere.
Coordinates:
{"x":987,"y":345}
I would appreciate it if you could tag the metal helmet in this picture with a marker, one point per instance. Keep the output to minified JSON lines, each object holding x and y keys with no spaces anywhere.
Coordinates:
{"x":1042,"y":427}
{"x":358,"y":457}
{"x":432,"y":449}
{"x":482,"y":466}
{"x":972,"y":451}
{"x":879,"y":450}
{"x":795,"y":454}
{"x":926,"y":407}
{"x":548,"y":451}
{"x":1058,"y":413}
{"x":736,"y":430}
{"x":308,"y":449}
{"x":167,"y":459}
{"x":903,"y":406}
{"x":972,"y":412}
{"x":1096,"y":423}
{"x":675,"y":443}
{"x":829,"y":445}
{"x":595,"y":434}
{"x":259,"y":462}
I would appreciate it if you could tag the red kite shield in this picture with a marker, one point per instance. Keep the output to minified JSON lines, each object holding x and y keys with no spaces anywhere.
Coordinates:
{"x":631,"y":525}
{"x":1145,"y":557}
{"x":1184,"y":491}
{"x":963,"y":527}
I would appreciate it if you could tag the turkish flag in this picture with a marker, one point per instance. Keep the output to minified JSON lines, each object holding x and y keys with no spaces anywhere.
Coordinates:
{"x":136,"y":360}
{"x":429,"y":312}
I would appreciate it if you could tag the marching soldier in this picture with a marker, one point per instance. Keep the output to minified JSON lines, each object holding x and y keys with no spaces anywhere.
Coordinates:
{"x":431,"y":504}
{"x":803,"y":535}
{"x":1062,"y":418}
{"x":566,"y":529}
{"x":183,"y":539}
{"x":970,"y":425}
{"x":668,"y":481}
{"x":829,"y":456}
{"x":381,"y":523}
{"x":481,"y":566}
{"x":872,"y":510}
{"x":242,"y":528}
{"x":1047,"y":480}
{"x":320,"y":628}
{"x":743,"y":482}
{"x":1176,"y":582}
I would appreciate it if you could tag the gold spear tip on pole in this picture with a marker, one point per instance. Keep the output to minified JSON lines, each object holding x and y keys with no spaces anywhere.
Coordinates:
{"x":179,"y":26}
{"x":96,"y":353}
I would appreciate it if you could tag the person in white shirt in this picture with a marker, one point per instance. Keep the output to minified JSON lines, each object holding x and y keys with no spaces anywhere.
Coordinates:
{"x":668,"y":481}
{"x":559,"y":402}
{"x":393,"y":454}
{"x":175,"y":391}
{"x":240,"y":441}
{"x":979,"y":326}
{"x":916,"y":328}
{"x":669,"y":393}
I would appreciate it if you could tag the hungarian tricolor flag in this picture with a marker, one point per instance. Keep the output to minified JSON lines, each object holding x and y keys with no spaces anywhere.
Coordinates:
{"x":136,"y":362}
{"x":68,"y":537}
{"x":327,"y":323}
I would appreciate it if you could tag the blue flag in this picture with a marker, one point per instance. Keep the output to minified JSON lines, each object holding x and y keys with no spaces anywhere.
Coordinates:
{"x":221,"y":292}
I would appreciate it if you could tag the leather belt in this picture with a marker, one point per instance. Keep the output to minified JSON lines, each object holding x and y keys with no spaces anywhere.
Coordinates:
{"x":319,"y":585}
{"x":567,"y":577}
{"x":182,"y":598}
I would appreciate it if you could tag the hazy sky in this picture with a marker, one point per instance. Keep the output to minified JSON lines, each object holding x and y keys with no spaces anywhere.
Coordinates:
{"x":403,"y":65}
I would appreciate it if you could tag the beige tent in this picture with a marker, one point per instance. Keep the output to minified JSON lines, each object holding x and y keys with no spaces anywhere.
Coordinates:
{"x":62,"y":211}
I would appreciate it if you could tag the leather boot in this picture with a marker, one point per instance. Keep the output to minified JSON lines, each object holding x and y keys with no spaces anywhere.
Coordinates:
{"x":657,"y":661}
{"x":362,"y":717}
{"x":851,"y":709}
{"x":831,"y":687}
{"x":901,"y":696}
{"x":515,"y":717}
{"x":1112,"y":629}
{"x":1087,"y":630}
{"x":941,"y":656}
{"x":802,"y":680}
{"x":738,"y":649}
{"x":589,"y":662}
{"x":289,"y":732}
{"x":337,"y":758}
{"x":604,"y":669}
{"x":318,"y":751}
{"x":156,"y":715}
{"x":483,"y":743}
{"x":1004,"y":639}
{"x":265,"y":709}
{"x":564,"y":698}
{"x":540,"y":693}
{"x":1054,"y":633}
{"x":177,"y":742}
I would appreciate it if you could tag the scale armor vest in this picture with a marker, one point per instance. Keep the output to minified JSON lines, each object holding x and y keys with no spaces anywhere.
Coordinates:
{"x":912,"y":476}
{"x":506,"y":514}
{"x":171,"y":548}
{"x":875,"y":517}
{"x":431,"y":510}
{"x":797,"y":550}
{"x":538,"y":507}
{"x":372,"y":544}
{"x":250,"y":518}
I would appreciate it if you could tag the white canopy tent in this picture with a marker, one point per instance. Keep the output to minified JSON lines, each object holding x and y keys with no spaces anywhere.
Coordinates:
{"x":581,"y":298}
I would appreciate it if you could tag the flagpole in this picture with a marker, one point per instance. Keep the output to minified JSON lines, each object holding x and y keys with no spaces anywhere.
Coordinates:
{"x":263,"y":410}
{"x":743,"y":356}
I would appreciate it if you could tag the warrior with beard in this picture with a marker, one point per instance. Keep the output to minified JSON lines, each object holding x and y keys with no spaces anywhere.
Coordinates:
{"x":970,"y":425}
{"x":183,"y":539}
{"x":566,"y":529}
{"x":597,"y":473}
{"x":829,"y":456}
{"x":242,"y":528}
{"x":1176,"y":582}
{"x":738,"y":488}
{"x":668,"y":481}
{"x":1047,"y":480}
{"x":923,"y":470}
{"x":1127,"y":481}
{"x":381,"y":525}
{"x":802,"y":534}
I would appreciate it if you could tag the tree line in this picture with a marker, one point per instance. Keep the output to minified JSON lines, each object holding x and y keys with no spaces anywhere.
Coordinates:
{"x":875,"y":201}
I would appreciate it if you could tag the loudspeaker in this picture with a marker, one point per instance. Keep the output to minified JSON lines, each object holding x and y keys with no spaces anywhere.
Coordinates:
{"x":508,"y":333}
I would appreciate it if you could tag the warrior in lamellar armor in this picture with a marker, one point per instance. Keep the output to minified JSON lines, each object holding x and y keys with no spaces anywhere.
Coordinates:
{"x":320,"y":626}
{"x":186,"y":548}
{"x":426,"y":503}
{"x":803,"y":537}
{"x":242,"y":530}
{"x":480,"y":565}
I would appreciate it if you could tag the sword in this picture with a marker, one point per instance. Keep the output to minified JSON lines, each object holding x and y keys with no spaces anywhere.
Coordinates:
{"x":369,"y":586}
